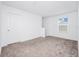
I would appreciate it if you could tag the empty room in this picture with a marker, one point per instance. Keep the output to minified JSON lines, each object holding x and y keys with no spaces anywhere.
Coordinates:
{"x":39,"y":28}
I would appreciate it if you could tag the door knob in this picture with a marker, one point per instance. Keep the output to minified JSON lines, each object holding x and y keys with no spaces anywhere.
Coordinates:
{"x":8,"y":29}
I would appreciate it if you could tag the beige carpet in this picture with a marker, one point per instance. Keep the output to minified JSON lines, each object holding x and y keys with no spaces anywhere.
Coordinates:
{"x":42,"y":47}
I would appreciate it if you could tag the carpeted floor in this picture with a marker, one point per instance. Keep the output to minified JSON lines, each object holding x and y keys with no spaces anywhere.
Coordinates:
{"x":42,"y":47}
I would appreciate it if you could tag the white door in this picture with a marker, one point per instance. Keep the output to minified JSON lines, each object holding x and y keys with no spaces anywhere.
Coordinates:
{"x":13,"y":28}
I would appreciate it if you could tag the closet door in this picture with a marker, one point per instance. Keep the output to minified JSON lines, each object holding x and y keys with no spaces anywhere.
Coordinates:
{"x":13,"y":27}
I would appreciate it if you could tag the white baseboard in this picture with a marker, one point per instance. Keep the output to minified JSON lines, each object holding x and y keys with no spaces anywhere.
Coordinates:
{"x":62,"y":37}
{"x":5,"y":44}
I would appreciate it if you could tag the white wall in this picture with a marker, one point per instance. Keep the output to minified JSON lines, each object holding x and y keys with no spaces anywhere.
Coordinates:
{"x":0,"y":27}
{"x":78,"y":30}
{"x":0,"y":24}
{"x":21,"y":25}
{"x":52,"y":26}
